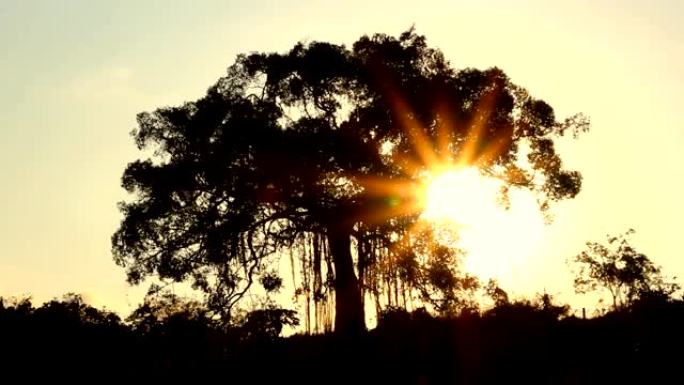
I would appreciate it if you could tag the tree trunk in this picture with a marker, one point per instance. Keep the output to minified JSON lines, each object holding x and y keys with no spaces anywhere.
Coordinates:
{"x":349,"y":315}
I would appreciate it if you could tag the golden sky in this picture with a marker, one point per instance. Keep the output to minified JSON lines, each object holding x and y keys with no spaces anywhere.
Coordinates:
{"x":75,"y":74}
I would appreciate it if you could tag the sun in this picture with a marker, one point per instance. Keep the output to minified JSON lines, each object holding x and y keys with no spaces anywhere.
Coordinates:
{"x":461,"y":196}
{"x":498,"y":241}
{"x":452,"y":177}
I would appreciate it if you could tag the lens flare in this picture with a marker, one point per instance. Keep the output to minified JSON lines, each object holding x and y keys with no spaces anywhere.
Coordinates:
{"x":441,"y":178}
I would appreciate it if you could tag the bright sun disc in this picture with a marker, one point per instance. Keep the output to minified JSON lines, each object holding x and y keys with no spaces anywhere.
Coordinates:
{"x":461,"y":196}
{"x":498,"y":242}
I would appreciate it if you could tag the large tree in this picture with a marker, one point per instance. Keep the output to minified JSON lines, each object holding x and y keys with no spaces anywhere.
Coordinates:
{"x":319,"y":151}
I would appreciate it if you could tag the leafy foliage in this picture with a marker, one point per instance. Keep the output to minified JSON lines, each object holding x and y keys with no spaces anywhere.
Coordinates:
{"x":268,"y":323}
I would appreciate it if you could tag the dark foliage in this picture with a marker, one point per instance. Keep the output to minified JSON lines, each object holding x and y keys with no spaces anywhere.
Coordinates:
{"x":530,"y":342}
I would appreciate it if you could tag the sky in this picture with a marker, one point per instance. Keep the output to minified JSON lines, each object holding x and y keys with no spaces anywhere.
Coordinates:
{"x":74,"y":74}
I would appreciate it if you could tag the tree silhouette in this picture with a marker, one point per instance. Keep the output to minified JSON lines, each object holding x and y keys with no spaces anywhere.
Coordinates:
{"x":72,"y":308}
{"x":619,"y":268}
{"x":318,"y":152}
{"x":160,"y":306}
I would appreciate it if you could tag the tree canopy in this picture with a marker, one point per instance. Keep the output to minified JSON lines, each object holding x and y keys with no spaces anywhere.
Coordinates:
{"x":317,"y":153}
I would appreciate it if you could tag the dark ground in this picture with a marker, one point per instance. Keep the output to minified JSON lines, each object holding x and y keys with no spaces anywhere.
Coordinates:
{"x":510,"y":344}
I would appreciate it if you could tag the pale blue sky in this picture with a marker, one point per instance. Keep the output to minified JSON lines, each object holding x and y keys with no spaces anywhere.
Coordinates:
{"x":75,"y":73}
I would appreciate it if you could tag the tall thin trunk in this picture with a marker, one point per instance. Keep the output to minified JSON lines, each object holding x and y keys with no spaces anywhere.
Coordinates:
{"x":349,"y":315}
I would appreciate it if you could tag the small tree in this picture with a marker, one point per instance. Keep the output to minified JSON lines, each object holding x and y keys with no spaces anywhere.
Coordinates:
{"x":161,"y":307}
{"x":496,"y":293}
{"x":621,"y":270}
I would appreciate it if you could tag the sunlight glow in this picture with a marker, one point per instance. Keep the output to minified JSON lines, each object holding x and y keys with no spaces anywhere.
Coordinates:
{"x":460,"y":195}
{"x":497,"y":240}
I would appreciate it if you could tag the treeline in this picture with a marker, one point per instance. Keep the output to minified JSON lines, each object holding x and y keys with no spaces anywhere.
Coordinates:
{"x":165,"y":334}
{"x":525,"y":341}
